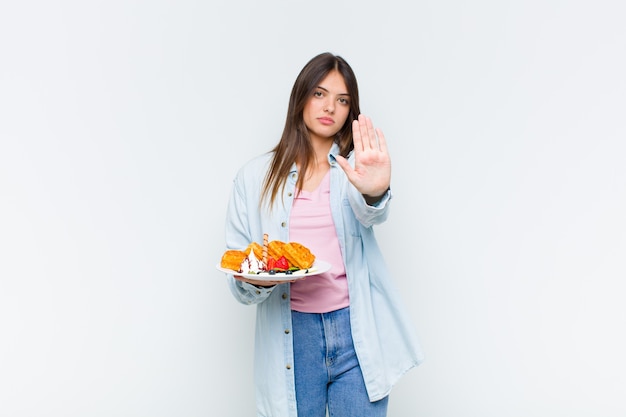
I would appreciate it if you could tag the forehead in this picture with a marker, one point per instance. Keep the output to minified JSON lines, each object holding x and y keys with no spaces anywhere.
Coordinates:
{"x":334,"y":82}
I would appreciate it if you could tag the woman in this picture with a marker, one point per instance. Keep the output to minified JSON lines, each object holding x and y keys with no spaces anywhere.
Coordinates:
{"x":340,"y":339}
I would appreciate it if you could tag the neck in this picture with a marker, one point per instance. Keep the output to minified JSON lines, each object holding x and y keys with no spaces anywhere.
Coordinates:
{"x":321,"y":147}
{"x":317,"y":167}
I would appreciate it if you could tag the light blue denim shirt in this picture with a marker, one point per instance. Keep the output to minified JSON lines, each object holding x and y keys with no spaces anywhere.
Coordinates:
{"x":384,"y":338}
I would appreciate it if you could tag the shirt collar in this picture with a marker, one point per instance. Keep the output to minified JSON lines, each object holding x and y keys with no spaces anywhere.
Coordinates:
{"x":334,"y":150}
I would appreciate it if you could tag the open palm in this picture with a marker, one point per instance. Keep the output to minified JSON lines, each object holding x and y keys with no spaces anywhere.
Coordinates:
{"x":371,"y":174}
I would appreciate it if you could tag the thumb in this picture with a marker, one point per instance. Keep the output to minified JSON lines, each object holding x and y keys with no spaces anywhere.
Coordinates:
{"x":347,"y":168}
{"x":344,"y":164}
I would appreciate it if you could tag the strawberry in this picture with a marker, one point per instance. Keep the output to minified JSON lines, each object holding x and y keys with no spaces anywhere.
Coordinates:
{"x":271,"y":264}
{"x":282,"y":263}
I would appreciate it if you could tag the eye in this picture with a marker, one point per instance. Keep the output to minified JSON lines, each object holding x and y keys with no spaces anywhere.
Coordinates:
{"x":317,"y":93}
{"x":344,"y":100}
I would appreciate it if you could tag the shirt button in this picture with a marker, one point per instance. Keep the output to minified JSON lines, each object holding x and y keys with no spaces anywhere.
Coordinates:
{"x":294,"y":175}
{"x":289,"y":194}
{"x":283,"y":224}
{"x":286,"y":331}
{"x":258,"y":292}
{"x":288,"y":366}
{"x":284,"y":296}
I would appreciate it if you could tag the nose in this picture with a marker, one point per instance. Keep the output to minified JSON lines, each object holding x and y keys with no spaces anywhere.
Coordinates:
{"x":330,"y":106}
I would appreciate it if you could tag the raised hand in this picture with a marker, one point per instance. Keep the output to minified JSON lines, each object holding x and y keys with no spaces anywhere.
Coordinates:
{"x":371,"y":174}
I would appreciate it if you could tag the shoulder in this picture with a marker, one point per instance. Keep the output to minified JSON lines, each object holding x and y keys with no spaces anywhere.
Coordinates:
{"x":255,"y":168}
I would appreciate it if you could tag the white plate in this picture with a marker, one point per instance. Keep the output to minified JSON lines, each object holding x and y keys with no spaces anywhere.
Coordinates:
{"x":319,"y":267}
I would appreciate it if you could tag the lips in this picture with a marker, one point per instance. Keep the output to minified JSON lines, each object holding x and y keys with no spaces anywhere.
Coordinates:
{"x":326,"y":120}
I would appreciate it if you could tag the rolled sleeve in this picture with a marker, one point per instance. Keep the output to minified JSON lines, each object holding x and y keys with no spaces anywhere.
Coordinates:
{"x":382,"y":202}
{"x":366,"y":214}
{"x":247,"y":293}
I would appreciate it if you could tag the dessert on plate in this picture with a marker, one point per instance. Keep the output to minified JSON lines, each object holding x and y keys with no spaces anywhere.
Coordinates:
{"x":271,"y":257}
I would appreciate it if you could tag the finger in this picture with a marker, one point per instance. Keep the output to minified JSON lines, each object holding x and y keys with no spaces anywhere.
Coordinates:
{"x":368,"y":133}
{"x":345,"y":165}
{"x":382,"y":142}
{"x":357,"y":139}
{"x":372,"y":142}
{"x":262,"y":283}
{"x":364,"y":132}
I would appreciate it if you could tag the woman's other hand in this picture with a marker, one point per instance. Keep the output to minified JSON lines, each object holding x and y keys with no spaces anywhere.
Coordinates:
{"x":259,"y":283}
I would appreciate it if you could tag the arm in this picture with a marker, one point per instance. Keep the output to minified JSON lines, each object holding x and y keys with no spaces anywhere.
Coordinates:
{"x":238,"y":236}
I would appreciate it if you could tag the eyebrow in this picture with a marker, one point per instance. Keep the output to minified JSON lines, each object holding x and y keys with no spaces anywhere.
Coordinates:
{"x":325,"y":89}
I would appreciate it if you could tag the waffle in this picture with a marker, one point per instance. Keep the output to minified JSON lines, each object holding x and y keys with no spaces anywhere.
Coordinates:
{"x":298,"y":255}
{"x":258,"y":250}
{"x":275,"y":248}
{"x":232,"y":259}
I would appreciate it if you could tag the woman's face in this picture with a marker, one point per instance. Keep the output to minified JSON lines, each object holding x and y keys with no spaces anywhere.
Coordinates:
{"x":327,"y":109}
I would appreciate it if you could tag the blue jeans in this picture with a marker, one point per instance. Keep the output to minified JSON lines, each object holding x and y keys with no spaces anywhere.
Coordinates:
{"x":326,"y":368}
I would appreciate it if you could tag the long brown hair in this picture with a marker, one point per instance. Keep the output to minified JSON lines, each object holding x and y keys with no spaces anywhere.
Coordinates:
{"x":294,"y":145}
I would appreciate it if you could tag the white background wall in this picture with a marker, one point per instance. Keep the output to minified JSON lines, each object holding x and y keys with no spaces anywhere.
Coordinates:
{"x":122,"y":124}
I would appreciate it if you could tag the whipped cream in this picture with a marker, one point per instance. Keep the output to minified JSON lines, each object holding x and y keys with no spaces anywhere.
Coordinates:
{"x":251,"y":264}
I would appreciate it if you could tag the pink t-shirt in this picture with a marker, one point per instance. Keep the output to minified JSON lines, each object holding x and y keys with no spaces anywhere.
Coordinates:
{"x":311,"y":224}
